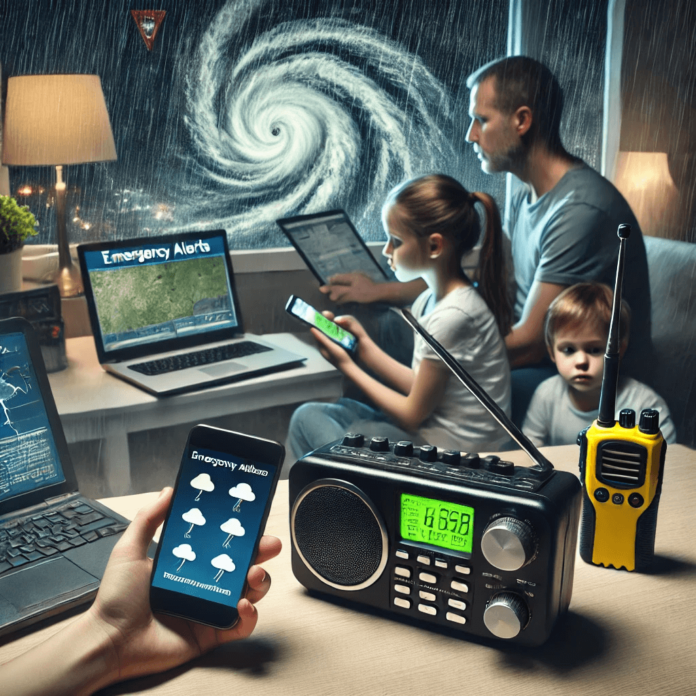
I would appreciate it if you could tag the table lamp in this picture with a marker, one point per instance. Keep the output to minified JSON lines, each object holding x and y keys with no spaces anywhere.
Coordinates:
{"x":57,"y":120}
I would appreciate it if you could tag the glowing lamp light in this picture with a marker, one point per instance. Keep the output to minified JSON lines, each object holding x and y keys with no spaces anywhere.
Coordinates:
{"x":645,"y":182}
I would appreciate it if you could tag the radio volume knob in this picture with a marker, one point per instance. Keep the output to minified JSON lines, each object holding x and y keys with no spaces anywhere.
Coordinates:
{"x":508,"y":543}
{"x":506,"y":615}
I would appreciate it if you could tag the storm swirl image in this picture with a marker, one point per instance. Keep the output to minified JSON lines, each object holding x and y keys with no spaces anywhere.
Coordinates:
{"x":310,"y":115}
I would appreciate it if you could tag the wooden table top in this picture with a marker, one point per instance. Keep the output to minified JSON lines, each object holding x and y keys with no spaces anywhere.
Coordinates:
{"x":625,"y":633}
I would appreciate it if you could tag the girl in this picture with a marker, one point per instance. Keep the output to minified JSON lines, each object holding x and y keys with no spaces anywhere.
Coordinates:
{"x":431,"y":222}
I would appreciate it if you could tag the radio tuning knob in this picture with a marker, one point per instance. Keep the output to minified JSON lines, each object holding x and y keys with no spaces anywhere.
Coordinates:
{"x":506,"y":615}
{"x":379,"y":444}
{"x":353,"y":440}
{"x":508,"y":543}
{"x":452,"y":457}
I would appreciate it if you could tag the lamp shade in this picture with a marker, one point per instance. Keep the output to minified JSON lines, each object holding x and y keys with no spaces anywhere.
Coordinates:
{"x":56,"y":120}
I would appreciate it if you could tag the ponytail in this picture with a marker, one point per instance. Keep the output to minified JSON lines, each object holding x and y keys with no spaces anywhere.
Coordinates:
{"x":492,"y":276}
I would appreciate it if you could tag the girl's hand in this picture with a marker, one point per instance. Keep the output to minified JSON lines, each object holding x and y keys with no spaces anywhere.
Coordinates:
{"x":331,"y":351}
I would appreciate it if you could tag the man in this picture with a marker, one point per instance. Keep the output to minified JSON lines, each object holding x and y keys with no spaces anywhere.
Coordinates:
{"x":562,"y":220}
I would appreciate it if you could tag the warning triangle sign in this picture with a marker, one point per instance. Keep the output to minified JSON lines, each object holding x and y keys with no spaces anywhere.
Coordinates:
{"x":148,"y":22}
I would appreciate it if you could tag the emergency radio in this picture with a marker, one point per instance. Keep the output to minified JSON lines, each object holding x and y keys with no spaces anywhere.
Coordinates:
{"x":621,"y":466}
{"x":471,"y":543}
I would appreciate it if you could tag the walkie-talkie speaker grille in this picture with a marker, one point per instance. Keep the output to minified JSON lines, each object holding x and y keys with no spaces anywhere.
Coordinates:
{"x":338,"y":534}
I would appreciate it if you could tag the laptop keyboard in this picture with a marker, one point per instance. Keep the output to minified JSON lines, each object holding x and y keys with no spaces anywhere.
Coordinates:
{"x":182,"y":361}
{"x":58,"y":529}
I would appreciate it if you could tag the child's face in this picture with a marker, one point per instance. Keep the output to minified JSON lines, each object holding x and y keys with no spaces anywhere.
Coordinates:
{"x":579,"y":356}
{"x":406,"y":251}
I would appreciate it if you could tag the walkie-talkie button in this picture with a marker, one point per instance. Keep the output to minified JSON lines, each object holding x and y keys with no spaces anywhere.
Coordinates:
{"x":459,"y":586}
{"x":424,"y":560}
{"x":427,"y":609}
{"x":471,"y":461}
{"x":462,"y":570}
{"x":439,"y":563}
{"x":403,"y":603}
{"x":452,"y":457}
{"x":617,"y":499}
{"x":457,"y":604}
{"x":635,"y":500}
{"x":402,"y":572}
{"x":601,"y":495}
{"x":402,"y":589}
{"x":400,"y":553}
{"x":427,"y":596}
{"x":427,"y":577}
{"x":456,"y":618}
{"x":379,"y":444}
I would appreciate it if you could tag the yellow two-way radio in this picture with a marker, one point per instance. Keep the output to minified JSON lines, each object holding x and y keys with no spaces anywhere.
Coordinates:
{"x":621,"y":466}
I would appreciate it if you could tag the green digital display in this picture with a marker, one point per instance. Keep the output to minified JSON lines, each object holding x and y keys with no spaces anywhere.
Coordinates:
{"x":436,"y":522}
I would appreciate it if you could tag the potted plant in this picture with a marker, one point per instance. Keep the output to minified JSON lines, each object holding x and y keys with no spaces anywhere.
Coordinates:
{"x":16,"y":224}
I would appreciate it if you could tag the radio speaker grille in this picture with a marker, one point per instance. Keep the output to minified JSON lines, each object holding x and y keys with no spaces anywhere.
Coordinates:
{"x":339,"y":535}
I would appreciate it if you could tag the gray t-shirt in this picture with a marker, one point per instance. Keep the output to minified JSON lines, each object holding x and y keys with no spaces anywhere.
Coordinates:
{"x":568,"y":236}
{"x":462,"y":323}
{"x":553,"y":420}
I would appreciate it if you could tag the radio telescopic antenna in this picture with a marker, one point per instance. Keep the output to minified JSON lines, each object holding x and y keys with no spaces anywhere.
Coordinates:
{"x":610,"y":378}
{"x":542,"y":464}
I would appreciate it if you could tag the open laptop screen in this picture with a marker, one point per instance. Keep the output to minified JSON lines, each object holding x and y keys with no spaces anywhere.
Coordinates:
{"x":148,"y":292}
{"x":28,"y":455}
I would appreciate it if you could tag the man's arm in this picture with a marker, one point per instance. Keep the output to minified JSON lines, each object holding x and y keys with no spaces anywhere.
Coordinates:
{"x":525,"y":343}
{"x":357,"y":287}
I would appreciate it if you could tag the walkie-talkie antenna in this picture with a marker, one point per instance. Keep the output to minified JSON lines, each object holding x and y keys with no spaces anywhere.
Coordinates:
{"x":610,"y":378}
{"x":542,"y":464}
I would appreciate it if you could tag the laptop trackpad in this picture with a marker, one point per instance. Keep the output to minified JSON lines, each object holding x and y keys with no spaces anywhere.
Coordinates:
{"x":43,"y":582}
{"x":223,"y":369}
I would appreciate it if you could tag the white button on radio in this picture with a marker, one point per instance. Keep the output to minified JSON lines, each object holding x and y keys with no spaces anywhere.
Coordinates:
{"x":427,"y":609}
{"x":462,"y":570}
{"x":427,"y":577}
{"x":451,"y":616}
{"x":402,"y":589}
{"x":403,"y":572}
{"x":427,"y":596}
{"x":457,"y":604}
{"x":402,"y":554}
{"x":403,"y":603}
{"x":460,"y":586}
{"x":440,"y":564}
{"x":425,"y":560}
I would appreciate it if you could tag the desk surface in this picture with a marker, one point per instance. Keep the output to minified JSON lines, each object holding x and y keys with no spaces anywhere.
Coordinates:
{"x":625,"y":633}
{"x":95,"y":405}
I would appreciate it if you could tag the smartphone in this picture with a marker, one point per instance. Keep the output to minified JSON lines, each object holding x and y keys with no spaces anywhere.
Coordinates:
{"x":211,"y":533}
{"x":306,"y":313}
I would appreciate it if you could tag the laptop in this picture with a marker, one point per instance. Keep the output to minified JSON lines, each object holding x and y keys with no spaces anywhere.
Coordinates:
{"x":165,"y":315}
{"x":329,"y":244}
{"x":54,"y":542}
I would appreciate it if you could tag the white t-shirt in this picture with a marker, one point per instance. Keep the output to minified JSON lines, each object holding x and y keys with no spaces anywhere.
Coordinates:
{"x":462,"y":323}
{"x":553,"y":420}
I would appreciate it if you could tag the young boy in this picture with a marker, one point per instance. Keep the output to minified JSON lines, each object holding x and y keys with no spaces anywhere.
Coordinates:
{"x":577,"y":327}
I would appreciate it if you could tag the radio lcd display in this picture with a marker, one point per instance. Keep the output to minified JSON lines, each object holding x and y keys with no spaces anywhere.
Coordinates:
{"x":429,"y":521}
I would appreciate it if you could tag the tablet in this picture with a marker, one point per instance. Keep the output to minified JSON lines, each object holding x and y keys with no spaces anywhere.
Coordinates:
{"x":329,"y":244}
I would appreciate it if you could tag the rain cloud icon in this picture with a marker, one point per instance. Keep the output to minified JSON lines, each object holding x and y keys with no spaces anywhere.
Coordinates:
{"x":233,"y":527}
{"x":242,"y":491}
{"x":194,"y":517}
{"x":224,"y":564}
{"x":203,"y":483}
{"x":185,"y":553}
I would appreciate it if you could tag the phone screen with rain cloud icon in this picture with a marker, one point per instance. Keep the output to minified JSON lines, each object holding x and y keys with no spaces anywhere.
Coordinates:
{"x":221,"y":501}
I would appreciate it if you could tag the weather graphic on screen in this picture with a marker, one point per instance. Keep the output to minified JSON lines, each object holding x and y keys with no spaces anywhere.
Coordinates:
{"x":211,"y":531}
{"x":28,"y":456}
{"x":161,"y":300}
